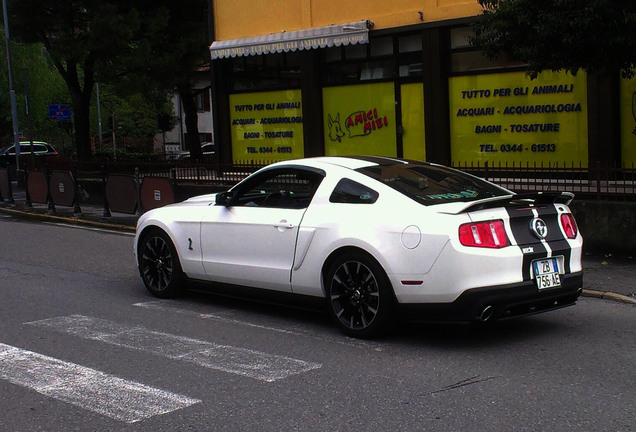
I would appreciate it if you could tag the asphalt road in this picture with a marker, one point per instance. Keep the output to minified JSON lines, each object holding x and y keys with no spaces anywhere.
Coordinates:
{"x":83,"y":347}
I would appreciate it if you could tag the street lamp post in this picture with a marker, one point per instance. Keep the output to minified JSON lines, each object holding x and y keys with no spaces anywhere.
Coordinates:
{"x":14,"y":110}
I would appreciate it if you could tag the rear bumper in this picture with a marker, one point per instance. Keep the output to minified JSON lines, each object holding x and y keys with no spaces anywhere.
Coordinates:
{"x":506,"y":301}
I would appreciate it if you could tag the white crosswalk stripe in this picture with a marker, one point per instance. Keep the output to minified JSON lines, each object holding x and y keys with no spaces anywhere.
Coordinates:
{"x":87,"y":388}
{"x":167,"y":306}
{"x":253,"y":364}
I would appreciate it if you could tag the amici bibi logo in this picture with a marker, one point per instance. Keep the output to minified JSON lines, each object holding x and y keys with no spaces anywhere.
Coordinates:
{"x":357,"y":124}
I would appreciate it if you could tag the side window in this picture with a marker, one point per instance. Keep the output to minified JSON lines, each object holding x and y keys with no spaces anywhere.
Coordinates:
{"x":351,"y":192}
{"x":282,"y":188}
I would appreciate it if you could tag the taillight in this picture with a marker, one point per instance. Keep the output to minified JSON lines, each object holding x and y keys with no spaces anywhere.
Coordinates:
{"x":569,"y":225}
{"x":488,"y":234}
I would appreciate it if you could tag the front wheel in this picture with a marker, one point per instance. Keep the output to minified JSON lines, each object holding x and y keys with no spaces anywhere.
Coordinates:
{"x":359,"y":296}
{"x":159,"y":266}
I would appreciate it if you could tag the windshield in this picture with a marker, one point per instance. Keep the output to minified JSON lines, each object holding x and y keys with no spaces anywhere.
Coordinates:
{"x":433,"y":184}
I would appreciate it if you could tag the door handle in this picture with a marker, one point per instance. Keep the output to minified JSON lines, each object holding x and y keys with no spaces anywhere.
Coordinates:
{"x":283,"y":225}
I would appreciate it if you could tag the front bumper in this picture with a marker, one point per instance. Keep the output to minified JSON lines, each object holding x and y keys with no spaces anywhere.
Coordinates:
{"x":506,"y":301}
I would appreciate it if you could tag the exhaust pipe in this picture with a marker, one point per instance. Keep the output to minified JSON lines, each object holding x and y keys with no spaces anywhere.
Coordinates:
{"x":486,"y":314}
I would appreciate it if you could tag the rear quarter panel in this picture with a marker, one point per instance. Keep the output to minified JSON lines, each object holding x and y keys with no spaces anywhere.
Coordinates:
{"x":378,"y":229}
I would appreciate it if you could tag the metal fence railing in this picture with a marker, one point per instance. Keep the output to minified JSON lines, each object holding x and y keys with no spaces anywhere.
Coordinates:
{"x":602,"y":181}
{"x":599,"y":181}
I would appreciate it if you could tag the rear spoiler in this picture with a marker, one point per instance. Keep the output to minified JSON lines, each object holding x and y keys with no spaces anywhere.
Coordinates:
{"x":528,"y":198}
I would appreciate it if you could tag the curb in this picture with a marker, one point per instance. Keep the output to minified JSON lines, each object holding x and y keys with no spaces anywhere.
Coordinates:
{"x":69,"y":220}
{"x":609,"y":296}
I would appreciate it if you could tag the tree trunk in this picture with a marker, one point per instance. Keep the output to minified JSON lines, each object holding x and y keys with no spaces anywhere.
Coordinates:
{"x":80,"y":99}
{"x":193,"y":143}
{"x":81,"y":118}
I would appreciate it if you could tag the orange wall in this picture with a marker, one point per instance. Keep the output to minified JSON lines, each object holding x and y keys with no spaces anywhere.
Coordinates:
{"x":243,"y":18}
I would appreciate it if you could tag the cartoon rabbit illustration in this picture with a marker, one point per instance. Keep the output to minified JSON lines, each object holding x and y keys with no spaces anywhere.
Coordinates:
{"x":335,"y":130}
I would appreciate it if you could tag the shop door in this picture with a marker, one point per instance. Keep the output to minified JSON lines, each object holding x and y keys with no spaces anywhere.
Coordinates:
{"x":412,"y":111}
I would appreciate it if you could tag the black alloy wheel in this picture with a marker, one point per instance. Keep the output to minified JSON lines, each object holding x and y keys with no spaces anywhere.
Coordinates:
{"x":359,"y":296}
{"x":159,"y":266}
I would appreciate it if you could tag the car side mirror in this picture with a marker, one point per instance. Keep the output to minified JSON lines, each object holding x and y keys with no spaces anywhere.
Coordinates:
{"x":224,"y":198}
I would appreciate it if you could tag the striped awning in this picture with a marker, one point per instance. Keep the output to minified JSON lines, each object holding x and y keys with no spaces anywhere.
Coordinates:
{"x":319,"y":37}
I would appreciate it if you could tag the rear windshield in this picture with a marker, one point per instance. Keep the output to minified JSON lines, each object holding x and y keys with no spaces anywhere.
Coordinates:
{"x":432,"y":184}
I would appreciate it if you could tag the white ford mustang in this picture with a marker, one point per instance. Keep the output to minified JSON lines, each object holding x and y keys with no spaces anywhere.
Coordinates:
{"x":375,"y":238}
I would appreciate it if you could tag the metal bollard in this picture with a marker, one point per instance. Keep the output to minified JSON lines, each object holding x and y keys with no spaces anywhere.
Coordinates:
{"x":107,"y":212}
{"x":76,"y":198}
{"x":49,"y":197}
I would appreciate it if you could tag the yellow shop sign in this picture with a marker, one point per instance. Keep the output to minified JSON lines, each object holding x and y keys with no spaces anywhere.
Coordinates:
{"x":509,"y":118}
{"x":266,"y":126}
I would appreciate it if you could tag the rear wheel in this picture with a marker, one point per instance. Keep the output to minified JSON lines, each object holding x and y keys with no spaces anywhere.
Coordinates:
{"x":359,"y":296}
{"x":159,"y":266}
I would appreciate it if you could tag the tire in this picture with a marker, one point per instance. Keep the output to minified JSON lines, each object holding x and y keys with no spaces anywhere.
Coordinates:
{"x":159,"y":266}
{"x":359,"y":296}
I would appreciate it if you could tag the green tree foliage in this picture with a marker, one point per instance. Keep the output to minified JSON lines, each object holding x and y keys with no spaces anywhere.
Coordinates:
{"x":176,"y":44}
{"x":593,"y":35}
{"x":45,"y":87}
{"x":133,"y":45}
{"x":81,"y":37}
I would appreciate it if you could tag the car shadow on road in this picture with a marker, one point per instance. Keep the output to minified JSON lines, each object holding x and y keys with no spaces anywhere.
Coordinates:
{"x":310,"y":317}
{"x":477,"y":335}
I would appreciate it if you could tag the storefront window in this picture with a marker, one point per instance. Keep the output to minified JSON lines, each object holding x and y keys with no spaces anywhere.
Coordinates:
{"x":413,"y":136}
{"x":382,"y":47}
{"x":266,"y":126}
{"x":360,"y":119}
{"x":411,"y":69}
{"x":459,"y":37}
{"x":333,"y":54}
{"x":273,"y":71}
{"x":628,"y":122}
{"x":466,"y":58}
{"x":510,"y":119}
{"x":411,"y":43}
{"x":355,"y":52}
{"x":377,"y":70}
{"x":342,"y":73}
{"x":468,"y":61}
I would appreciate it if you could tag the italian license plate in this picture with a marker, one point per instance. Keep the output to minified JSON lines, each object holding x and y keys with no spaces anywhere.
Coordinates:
{"x":546,"y":273}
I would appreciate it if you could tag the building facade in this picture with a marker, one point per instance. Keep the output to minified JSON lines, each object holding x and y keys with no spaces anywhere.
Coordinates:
{"x":300,"y":78}
{"x":174,"y":140}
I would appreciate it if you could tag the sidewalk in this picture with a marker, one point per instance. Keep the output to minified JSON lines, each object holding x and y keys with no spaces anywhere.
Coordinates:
{"x":607,"y":277}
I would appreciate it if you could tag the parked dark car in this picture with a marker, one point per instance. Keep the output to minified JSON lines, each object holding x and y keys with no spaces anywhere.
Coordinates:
{"x":40,"y":148}
{"x":208,"y":149}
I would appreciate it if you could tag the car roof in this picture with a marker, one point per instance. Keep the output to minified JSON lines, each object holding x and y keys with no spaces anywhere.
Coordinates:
{"x":350,"y":162}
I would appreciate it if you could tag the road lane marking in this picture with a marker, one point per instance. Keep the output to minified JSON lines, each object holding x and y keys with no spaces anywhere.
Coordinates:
{"x":87,"y":388}
{"x":240,"y":361}
{"x":160,"y":306}
{"x":167,"y":306}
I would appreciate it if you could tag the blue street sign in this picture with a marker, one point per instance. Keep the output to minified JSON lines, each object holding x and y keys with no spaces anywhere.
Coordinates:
{"x":60,"y":112}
